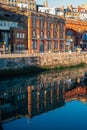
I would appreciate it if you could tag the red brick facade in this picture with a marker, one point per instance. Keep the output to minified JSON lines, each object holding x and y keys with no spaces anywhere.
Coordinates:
{"x":18,"y":39}
{"x":45,"y":32}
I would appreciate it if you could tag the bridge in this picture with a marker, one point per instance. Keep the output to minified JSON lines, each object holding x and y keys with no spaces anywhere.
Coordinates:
{"x":76,"y":32}
{"x":78,"y":93}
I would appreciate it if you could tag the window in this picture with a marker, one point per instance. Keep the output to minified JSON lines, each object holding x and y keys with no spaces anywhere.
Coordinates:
{"x":17,"y":35}
{"x":42,"y":34}
{"x":55,"y":34}
{"x":61,"y":35}
{"x":20,"y":35}
{"x":34,"y":45}
{"x":34,"y":33}
{"x":55,"y":26}
{"x":48,"y":46}
{"x":55,"y":45}
{"x":23,"y":35}
{"x":62,"y":46}
{"x":30,"y":3}
{"x":20,"y":46}
{"x":34,"y":23}
{"x":49,"y":25}
{"x":49,"y":34}
{"x":42,"y":24}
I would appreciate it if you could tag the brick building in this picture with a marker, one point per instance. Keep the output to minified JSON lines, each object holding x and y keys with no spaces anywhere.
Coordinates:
{"x":30,"y":4}
{"x":35,"y":31}
{"x":13,"y":32}
{"x":18,"y":40}
{"x":45,"y":32}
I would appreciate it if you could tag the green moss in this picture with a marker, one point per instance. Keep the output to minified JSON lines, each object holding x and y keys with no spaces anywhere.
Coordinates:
{"x":64,"y":67}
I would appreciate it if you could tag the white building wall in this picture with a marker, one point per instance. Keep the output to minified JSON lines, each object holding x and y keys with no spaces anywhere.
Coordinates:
{"x":48,"y":10}
{"x":52,"y":11}
{"x":83,"y":16}
{"x":22,"y":5}
{"x":60,"y":13}
{"x":43,"y":9}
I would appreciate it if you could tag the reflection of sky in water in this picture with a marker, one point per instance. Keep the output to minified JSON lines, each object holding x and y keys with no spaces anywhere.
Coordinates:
{"x":72,"y":116}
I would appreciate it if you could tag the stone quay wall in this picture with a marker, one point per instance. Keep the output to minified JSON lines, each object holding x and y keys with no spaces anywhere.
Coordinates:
{"x":17,"y":61}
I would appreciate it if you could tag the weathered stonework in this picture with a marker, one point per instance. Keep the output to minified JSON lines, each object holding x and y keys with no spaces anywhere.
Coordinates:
{"x":17,"y":61}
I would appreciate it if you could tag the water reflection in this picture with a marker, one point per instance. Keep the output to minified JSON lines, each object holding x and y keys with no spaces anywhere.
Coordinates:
{"x":33,"y":96}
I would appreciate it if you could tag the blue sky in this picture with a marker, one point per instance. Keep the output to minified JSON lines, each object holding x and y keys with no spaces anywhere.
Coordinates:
{"x":59,"y":3}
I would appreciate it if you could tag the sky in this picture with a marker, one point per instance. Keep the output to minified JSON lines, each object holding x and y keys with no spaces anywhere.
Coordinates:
{"x":65,"y":3}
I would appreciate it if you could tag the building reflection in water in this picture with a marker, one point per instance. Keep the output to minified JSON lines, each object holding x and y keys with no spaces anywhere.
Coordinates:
{"x":54,"y":95}
{"x":41,"y":94}
{"x":44,"y":98}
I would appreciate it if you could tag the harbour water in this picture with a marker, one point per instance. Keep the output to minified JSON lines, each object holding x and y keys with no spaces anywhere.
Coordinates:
{"x":54,"y":100}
